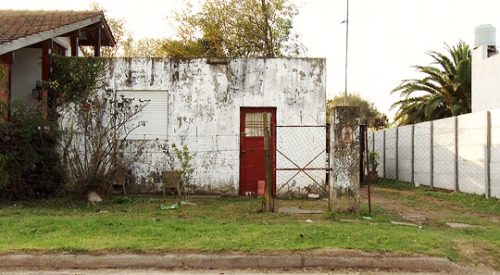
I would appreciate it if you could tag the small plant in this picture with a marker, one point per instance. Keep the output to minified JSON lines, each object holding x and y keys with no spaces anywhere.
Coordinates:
{"x":122,"y":200}
{"x":373,"y":160}
{"x":182,"y":164}
{"x":372,"y":172}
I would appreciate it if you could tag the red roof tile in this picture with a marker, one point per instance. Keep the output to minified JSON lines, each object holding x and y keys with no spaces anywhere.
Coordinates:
{"x":16,"y":24}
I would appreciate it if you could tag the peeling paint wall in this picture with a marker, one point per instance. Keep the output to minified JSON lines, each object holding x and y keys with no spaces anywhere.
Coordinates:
{"x":203,"y":109}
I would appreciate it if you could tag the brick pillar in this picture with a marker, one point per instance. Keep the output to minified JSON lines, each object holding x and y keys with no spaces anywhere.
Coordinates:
{"x":345,"y":148}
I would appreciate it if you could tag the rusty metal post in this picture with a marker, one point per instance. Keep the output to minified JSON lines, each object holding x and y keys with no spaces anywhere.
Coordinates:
{"x":269,"y":205}
{"x":6,"y":62}
{"x":365,"y":136}
{"x":328,"y":163}
{"x":46,"y":48}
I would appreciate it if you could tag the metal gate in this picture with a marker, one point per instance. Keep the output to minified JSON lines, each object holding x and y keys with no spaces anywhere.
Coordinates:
{"x":302,"y":160}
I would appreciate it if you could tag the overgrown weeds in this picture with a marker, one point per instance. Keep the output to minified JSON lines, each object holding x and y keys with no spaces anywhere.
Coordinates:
{"x":470,"y":202}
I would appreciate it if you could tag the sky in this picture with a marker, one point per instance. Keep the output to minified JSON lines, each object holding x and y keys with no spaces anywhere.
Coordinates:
{"x":386,"y":37}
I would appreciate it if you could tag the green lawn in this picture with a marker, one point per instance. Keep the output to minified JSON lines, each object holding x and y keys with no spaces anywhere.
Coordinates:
{"x":229,"y":224}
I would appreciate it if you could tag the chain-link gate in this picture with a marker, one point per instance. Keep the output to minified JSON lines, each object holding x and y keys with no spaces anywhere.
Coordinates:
{"x":302,"y":167}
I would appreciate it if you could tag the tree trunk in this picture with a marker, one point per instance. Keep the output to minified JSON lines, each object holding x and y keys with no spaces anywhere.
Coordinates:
{"x":267,"y":32}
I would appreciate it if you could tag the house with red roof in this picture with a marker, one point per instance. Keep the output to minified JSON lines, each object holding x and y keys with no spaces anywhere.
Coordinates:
{"x":28,"y":38}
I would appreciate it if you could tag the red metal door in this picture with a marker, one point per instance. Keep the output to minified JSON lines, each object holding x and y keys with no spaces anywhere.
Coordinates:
{"x":252,"y":162}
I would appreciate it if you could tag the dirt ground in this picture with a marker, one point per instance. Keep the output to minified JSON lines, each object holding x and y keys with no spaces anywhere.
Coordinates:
{"x":435,"y":213}
{"x":429,"y":211}
{"x":441,"y":209}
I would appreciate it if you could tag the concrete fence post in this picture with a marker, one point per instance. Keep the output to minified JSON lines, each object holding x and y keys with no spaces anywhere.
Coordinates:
{"x":487,"y":155}
{"x":413,"y":153}
{"x":397,"y":153}
{"x":457,"y":187}
{"x":345,"y":149}
{"x":383,"y":150}
{"x":431,"y":158}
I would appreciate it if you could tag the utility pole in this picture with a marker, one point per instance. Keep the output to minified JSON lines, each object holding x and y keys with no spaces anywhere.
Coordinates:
{"x":346,"y":50}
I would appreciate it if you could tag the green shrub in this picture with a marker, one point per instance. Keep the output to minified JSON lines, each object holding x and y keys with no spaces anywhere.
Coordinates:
{"x":30,"y":165}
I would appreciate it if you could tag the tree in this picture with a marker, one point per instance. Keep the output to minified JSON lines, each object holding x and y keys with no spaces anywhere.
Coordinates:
{"x":367,"y":109}
{"x":126,"y":46}
{"x":94,"y":141}
{"x":117,"y":26}
{"x":445,"y":90}
{"x":95,"y":123}
{"x":145,"y":47}
{"x":236,"y":28}
{"x":187,"y":49}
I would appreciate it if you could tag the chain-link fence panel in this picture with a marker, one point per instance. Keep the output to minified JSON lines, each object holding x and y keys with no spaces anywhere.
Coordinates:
{"x":444,"y":153}
{"x":422,"y":153}
{"x":495,"y":154}
{"x":301,"y":160}
{"x":458,"y":153}
{"x":471,"y":153}
{"x":377,"y":145}
{"x":405,"y":153}
{"x":390,"y":153}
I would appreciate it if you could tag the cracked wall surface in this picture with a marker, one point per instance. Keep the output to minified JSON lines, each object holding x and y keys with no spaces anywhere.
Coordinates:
{"x":203,"y":108}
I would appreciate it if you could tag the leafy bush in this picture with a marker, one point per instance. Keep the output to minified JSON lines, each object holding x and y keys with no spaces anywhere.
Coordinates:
{"x":95,"y":124}
{"x":29,"y":162}
{"x":373,"y":160}
{"x":95,"y":139}
{"x":74,"y":78}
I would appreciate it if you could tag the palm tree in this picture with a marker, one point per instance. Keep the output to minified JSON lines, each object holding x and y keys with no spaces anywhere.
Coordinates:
{"x":445,"y":91}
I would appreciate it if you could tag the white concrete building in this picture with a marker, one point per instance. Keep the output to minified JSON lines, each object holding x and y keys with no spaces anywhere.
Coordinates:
{"x":485,"y":70}
{"x":215,"y":107}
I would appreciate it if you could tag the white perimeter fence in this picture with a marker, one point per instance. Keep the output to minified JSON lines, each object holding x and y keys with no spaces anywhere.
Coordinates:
{"x":459,"y":153}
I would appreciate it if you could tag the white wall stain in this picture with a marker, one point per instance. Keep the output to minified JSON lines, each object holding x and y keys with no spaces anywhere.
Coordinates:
{"x":204,"y":104}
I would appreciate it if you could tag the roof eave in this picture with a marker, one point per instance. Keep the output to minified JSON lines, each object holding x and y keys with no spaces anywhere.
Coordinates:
{"x":108,"y":31}
{"x":39,"y":37}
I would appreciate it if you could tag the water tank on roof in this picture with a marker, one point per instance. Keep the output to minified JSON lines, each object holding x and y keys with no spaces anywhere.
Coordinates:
{"x":485,"y":35}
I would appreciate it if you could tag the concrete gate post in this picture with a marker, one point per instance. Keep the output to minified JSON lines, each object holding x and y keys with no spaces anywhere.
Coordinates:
{"x":345,"y":139}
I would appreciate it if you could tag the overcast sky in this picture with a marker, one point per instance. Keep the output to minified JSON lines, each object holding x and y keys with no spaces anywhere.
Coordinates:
{"x":386,"y":37}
